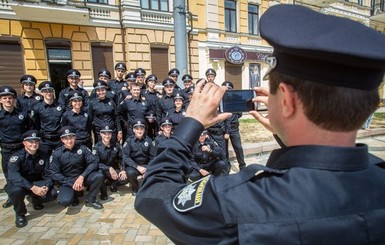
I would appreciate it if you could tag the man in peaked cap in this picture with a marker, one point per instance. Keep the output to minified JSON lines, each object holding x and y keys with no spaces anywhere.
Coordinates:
{"x":137,"y":153}
{"x":73,"y":78}
{"x":140,"y":75}
{"x":210,"y":75}
{"x":321,"y":188}
{"x":75,"y":168}
{"x":119,"y":83}
{"x":29,"y":174}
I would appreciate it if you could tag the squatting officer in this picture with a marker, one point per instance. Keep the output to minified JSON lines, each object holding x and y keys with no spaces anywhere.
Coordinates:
{"x":29,"y":174}
{"x":74,"y":168}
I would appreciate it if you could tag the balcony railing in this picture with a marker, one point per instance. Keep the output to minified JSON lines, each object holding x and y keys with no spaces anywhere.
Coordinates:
{"x":378,"y":6}
{"x":157,"y":17}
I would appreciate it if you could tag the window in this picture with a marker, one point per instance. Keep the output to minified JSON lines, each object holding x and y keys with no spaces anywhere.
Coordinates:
{"x":98,"y":1}
{"x":233,"y":73}
{"x":159,"y":62}
{"x":231,"y":16}
{"x":11,"y":63}
{"x":253,"y":19}
{"x":161,"y":5}
{"x":102,"y":57}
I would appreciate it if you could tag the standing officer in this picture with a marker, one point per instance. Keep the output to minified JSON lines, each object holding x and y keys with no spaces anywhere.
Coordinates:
{"x":152,"y":97}
{"x":73,"y":78}
{"x":178,"y":112}
{"x":174,"y":74}
{"x":118,"y":84}
{"x":105,"y":75}
{"x":140,"y":75}
{"x":13,"y":124}
{"x":28,"y":97}
{"x":109,"y":157}
{"x":74,"y":167}
{"x":166,"y":103}
{"x":137,"y":153}
{"x":79,"y":119}
{"x":47,"y":117}
{"x":187,"y":82}
{"x":234,"y":135}
{"x":322,"y":188}
{"x":210,"y":75}
{"x":29,"y":175}
{"x":136,"y":107}
{"x":102,"y":110}
{"x":207,"y":159}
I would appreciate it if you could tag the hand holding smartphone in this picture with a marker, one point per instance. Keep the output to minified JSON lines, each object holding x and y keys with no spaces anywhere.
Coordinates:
{"x":236,"y":101}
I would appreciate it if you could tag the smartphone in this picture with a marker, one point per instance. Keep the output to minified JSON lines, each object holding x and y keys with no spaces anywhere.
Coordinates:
{"x":238,"y":101}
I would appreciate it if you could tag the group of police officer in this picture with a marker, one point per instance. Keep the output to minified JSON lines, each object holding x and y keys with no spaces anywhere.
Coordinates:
{"x":46,"y":142}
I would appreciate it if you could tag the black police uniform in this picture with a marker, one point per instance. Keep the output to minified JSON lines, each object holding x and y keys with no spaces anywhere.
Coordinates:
{"x":176,"y":116}
{"x":25,"y":171}
{"x":110,"y":94}
{"x":217,"y":132}
{"x":67,"y":165}
{"x":26,"y":103}
{"x":306,"y":194}
{"x":109,"y":156}
{"x":63,"y":97}
{"x":104,"y":112}
{"x":136,"y":152}
{"x":210,"y":161}
{"x":152,"y":98}
{"x":166,"y":103}
{"x":82,"y":124}
{"x":47,"y":118}
{"x":235,"y":139}
{"x":131,"y":109}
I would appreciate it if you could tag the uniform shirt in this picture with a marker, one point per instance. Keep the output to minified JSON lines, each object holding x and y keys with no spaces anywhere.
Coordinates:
{"x":67,"y":165}
{"x":110,"y":94}
{"x":117,"y":85}
{"x":158,"y":139}
{"x":47,"y":118}
{"x":176,"y":116}
{"x":152,"y":99}
{"x":80,"y":121}
{"x":234,"y":120}
{"x":104,"y":112}
{"x":63,"y":97}
{"x":133,"y":109}
{"x":200,"y":158}
{"x":165,"y":104}
{"x":219,"y":128}
{"x":137,"y":151}
{"x":108,"y":156}
{"x":13,"y":125}
{"x":306,"y":195}
{"x":26,"y":103}
{"x":24,"y":169}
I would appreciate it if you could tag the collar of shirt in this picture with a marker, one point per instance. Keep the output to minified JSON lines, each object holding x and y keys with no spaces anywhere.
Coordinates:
{"x":321,"y":157}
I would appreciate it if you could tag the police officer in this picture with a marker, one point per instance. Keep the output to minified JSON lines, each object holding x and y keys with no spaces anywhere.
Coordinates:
{"x":174,"y":74}
{"x":73,"y":78}
{"x":74,"y":167}
{"x":140,"y":75}
{"x":219,"y":132}
{"x":207,"y":159}
{"x":13,"y":124}
{"x":187,"y":82}
{"x":152,"y":97}
{"x":118,"y":84}
{"x":78,"y":118}
{"x":137,"y":153}
{"x":136,"y":107}
{"x":28,"y":97}
{"x":322,"y":188}
{"x":126,"y":93}
{"x":177,"y":113}
{"x":29,"y":174}
{"x":166,"y":131}
{"x":167,"y":101}
{"x":47,"y":117}
{"x":234,"y":135}
{"x":109,"y":157}
{"x":210,"y":75}
{"x":102,"y":110}
{"x":105,"y":75}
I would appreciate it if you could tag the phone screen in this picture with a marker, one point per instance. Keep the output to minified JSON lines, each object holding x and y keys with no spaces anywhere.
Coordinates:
{"x":238,"y":101}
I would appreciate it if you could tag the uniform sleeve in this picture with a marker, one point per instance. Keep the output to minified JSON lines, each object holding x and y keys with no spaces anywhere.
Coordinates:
{"x":14,"y":175}
{"x":227,"y":126}
{"x":92,"y":164}
{"x":35,"y":117}
{"x":47,"y":175}
{"x":165,"y":177}
{"x":56,"y":171}
{"x":127,"y":160}
{"x":96,"y":151}
{"x":118,"y":118}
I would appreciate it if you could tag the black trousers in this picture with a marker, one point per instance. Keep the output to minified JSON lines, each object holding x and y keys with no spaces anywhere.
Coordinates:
{"x":132,"y":175}
{"x":235,"y":139}
{"x":107,"y":175}
{"x":94,"y":181}
{"x":216,"y":168}
{"x":17,"y":195}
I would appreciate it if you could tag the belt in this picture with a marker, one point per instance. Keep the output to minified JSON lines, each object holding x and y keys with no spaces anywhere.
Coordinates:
{"x":11,"y":146}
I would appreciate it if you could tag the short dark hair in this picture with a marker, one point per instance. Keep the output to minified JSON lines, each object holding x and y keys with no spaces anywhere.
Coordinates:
{"x":330,"y":107}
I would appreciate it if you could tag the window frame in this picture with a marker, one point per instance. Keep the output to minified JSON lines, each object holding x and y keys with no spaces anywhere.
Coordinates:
{"x":159,"y":4}
{"x":253,"y":29}
{"x":231,"y":16}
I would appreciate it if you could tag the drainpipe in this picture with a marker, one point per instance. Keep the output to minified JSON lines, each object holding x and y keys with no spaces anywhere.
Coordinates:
{"x":180,"y":38}
{"x":122,"y":32}
{"x":190,"y":17}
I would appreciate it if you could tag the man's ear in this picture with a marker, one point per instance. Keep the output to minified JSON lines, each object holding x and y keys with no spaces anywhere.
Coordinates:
{"x":288,"y":99}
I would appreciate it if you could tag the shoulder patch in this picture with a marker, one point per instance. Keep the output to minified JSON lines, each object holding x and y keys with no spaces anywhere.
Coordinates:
{"x":94,"y":152}
{"x":41,"y":162}
{"x":125,"y":144}
{"x":191,"y":196}
{"x":13,"y":159}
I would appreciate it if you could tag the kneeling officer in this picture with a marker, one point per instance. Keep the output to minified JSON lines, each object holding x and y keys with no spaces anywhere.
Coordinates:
{"x":28,"y":173}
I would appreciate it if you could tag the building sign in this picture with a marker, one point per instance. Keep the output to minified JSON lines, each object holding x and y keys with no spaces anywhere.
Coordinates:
{"x":235,"y":55}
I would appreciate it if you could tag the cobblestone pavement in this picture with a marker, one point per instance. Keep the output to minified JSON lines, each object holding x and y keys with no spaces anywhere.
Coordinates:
{"x":117,"y":223}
